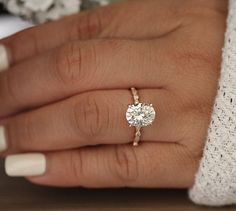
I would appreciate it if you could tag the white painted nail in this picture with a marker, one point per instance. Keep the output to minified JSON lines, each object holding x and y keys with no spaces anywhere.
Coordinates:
{"x":25,"y":165}
{"x":4,"y":59}
{"x":3,"y":142}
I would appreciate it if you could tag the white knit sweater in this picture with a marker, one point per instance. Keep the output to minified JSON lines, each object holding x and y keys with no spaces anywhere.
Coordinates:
{"x":215,"y":182}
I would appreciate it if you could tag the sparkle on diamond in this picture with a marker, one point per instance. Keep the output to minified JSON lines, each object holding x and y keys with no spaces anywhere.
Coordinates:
{"x":140,"y":115}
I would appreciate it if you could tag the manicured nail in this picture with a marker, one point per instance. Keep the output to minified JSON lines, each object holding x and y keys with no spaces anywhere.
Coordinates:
{"x":3,"y":142}
{"x":4,"y":59}
{"x":25,"y":165}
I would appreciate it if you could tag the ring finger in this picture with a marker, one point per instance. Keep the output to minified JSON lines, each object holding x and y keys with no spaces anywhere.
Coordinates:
{"x":92,"y":119}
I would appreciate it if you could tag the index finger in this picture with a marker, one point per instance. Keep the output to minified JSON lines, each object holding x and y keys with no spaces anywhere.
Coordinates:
{"x":114,"y":21}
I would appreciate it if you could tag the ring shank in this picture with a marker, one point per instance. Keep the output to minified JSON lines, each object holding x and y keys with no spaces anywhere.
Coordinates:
{"x":137,"y":137}
{"x":135,"y":95}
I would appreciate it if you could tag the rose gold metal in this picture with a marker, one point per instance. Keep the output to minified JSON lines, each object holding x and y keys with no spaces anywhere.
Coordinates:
{"x":135,"y":95}
{"x":137,"y":136}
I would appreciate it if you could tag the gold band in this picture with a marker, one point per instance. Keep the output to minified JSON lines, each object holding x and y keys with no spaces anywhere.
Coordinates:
{"x":137,"y":136}
{"x":135,"y":95}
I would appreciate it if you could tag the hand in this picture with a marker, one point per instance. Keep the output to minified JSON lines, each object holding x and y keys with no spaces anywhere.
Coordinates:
{"x":67,"y":91}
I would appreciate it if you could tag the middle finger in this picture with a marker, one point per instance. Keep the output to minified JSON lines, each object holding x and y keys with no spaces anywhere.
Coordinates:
{"x":84,"y":66}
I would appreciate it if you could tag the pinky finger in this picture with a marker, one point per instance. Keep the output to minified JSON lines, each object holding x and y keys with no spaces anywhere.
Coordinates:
{"x":151,"y":165}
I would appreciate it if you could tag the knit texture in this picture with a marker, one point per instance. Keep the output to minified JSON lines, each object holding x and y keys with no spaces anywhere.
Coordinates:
{"x":215,"y":182}
{"x":41,"y":11}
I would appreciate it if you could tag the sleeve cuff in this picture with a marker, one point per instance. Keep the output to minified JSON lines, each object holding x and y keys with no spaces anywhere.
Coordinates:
{"x":215,"y":182}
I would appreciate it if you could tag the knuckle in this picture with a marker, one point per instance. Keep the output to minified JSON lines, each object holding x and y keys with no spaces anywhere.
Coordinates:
{"x":87,"y":25}
{"x":26,"y":36}
{"x":28,"y":132}
{"x":73,"y":63}
{"x":67,"y":63}
{"x":125,"y":164}
{"x":76,"y":165}
{"x":92,"y":117}
{"x":9,"y":90}
{"x":116,"y":46}
{"x":20,"y":133}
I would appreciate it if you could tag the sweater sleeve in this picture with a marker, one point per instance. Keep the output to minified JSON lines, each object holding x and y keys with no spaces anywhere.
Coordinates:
{"x":49,"y":10}
{"x":215,"y":182}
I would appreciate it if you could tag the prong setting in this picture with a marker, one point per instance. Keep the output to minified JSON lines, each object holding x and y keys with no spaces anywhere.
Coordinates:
{"x":139,"y":115}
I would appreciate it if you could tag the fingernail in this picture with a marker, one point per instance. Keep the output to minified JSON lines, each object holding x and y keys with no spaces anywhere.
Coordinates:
{"x":25,"y":165}
{"x":4,"y":59}
{"x":3,"y":142}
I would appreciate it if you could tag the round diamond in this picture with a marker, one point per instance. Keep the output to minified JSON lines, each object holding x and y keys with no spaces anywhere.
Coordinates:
{"x":140,"y":115}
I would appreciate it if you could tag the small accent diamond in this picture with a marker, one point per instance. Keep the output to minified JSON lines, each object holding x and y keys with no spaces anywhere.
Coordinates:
{"x":140,"y":115}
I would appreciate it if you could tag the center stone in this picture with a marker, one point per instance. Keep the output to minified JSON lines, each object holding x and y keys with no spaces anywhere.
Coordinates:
{"x":140,"y":115}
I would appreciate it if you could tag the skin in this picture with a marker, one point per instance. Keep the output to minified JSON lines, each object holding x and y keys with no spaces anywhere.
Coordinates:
{"x":67,"y":92}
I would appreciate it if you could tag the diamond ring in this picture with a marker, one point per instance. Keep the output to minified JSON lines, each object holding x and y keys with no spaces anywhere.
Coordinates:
{"x":139,"y":115}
